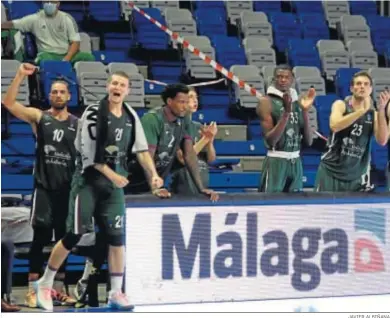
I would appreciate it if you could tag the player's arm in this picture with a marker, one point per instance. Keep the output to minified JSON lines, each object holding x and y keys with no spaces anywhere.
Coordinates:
{"x":198,"y":147}
{"x":306,"y":102}
{"x":191,"y":162}
{"x":152,"y":132}
{"x":381,"y":127}
{"x":272,"y":133}
{"x":30,"y":115}
{"x":338,"y":121}
{"x":307,"y":134}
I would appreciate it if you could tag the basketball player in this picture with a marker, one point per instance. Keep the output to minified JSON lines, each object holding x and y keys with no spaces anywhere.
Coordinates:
{"x":284,"y":121}
{"x":346,"y":164}
{"x":203,"y":138}
{"x":55,"y":132}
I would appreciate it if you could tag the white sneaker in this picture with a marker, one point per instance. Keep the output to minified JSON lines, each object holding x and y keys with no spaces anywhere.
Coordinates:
{"x":80,"y":289}
{"x":43,"y":295}
{"x":118,"y":300}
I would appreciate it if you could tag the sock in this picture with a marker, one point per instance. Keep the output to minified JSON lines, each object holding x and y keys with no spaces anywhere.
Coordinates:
{"x":47,"y":279}
{"x":87,"y":270}
{"x":32,"y":277}
{"x":116,"y":282}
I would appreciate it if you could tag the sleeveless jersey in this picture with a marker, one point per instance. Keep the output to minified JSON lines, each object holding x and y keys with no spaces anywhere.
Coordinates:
{"x":349,"y":151}
{"x":291,"y":138}
{"x":55,"y":151}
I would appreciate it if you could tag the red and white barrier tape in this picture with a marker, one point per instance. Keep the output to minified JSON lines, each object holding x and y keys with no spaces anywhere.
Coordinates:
{"x":218,"y":67}
{"x":193,"y":85}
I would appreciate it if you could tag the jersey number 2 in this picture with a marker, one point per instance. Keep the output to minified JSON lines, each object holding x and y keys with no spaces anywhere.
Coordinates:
{"x":357,"y":130}
{"x":118,"y":134}
{"x":58,"y":134}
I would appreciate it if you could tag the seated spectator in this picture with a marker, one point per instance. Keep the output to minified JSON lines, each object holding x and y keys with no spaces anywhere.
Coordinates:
{"x":7,"y":255}
{"x":56,"y":34}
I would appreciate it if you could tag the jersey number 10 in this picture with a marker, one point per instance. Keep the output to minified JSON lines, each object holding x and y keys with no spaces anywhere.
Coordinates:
{"x":58,"y":134}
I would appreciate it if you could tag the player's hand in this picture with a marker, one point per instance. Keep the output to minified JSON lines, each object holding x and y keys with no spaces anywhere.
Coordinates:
{"x":307,"y":100}
{"x":26,"y":69}
{"x":162,"y":193}
{"x":157,"y":182}
{"x":214,"y":197}
{"x":367,"y":104}
{"x":209,"y":132}
{"x":287,"y":103}
{"x":384,"y":99}
{"x":119,"y":181}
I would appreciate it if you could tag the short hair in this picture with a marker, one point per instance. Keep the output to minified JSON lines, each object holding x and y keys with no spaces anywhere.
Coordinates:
{"x":119,"y":73}
{"x":361,"y":73}
{"x":192,"y":89}
{"x":59,"y":81}
{"x":282,"y":67}
{"x":172,"y":90}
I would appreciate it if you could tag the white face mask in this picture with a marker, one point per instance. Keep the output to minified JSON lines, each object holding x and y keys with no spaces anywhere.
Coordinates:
{"x":49,"y":8}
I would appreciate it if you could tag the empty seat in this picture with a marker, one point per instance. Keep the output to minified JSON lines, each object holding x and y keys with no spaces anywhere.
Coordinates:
{"x":255,"y":24}
{"x":129,"y":68}
{"x":126,"y":10}
{"x":85,"y":42}
{"x":251,"y":75}
{"x":259,"y":52}
{"x":268,"y":6}
{"x":333,"y":56}
{"x":8,"y":72}
{"x":211,"y":22}
{"x":313,"y":26}
{"x":181,"y":21}
{"x":303,"y":84}
{"x":92,"y":76}
{"x":162,"y":5}
{"x":235,"y":8}
{"x":353,"y":28}
{"x":334,"y":10}
{"x":268,"y":74}
{"x":285,"y":27}
{"x":306,"y":71}
{"x":362,"y":54}
{"x":381,"y":80}
{"x":194,"y":64}
{"x":228,"y":50}
{"x":364,"y":8}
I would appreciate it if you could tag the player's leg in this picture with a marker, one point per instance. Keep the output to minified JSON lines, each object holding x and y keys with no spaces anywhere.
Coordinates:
{"x":60,"y":208}
{"x":274,"y":175}
{"x":296,"y":175}
{"x":324,"y":181}
{"x":112,"y":214}
{"x":81,"y":207}
{"x":41,"y":223}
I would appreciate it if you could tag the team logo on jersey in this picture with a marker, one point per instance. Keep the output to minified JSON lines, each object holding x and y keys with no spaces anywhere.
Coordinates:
{"x":290,"y":132}
{"x":348,"y":141}
{"x":48,"y":149}
{"x":112,"y":149}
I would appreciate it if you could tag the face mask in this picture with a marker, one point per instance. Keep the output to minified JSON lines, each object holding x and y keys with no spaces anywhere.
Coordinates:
{"x":49,"y":8}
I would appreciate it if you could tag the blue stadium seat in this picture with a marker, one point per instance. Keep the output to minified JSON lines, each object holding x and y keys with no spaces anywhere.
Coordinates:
{"x":211,"y":22}
{"x":209,"y":4}
{"x":235,"y":180}
{"x":228,"y":50}
{"x":240,"y":148}
{"x":118,"y":41}
{"x":379,"y":156}
{"x":363,"y":8}
{"x":308,"y":7}
{"x":285,"y":27}
{"x":314,"y":26}
{"x":19,"y":9}
{"x":167,"y":72}
{"x":18,"y":146}
{"x":23,"y":128}
{"x":219,"y":115}
{"x":267,"y":6}
{"x":303,"y":52}
{"x":52,"y":70}
{"x":148,"y":35}
{"x":105,"y":10}
{"x":379,"y":27}
{"x":343,"y":80}
{"x":323,"y":105}
{"x":17,"y":182}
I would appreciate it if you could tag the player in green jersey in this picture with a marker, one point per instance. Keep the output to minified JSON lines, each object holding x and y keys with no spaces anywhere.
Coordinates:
{"x":385,"y":98}
{"x":345,"y":166}
{"x":55,"y":132}
{"x":166,"y":132}
{"x":284,"y":120}
{"x":203,"y":137}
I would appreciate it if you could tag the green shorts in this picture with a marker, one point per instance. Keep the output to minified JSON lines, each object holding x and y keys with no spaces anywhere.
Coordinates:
{"x":281,"y":175}
{"x":325,"y":182}
{"x":95,"y":199}
{"x":49,"y":208}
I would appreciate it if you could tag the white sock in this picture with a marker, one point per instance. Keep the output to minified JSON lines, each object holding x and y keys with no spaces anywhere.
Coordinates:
{"x":116,"y":282}
{"x":87,"y":270}
{"x":47,"y":279}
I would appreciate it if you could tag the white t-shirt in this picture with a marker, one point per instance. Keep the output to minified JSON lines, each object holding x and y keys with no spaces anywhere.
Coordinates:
{"x":52,"y":34}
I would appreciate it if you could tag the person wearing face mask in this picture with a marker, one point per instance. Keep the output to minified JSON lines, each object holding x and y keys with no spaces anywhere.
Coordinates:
{"x":55,"y":133}
{"x":55,"y":32}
